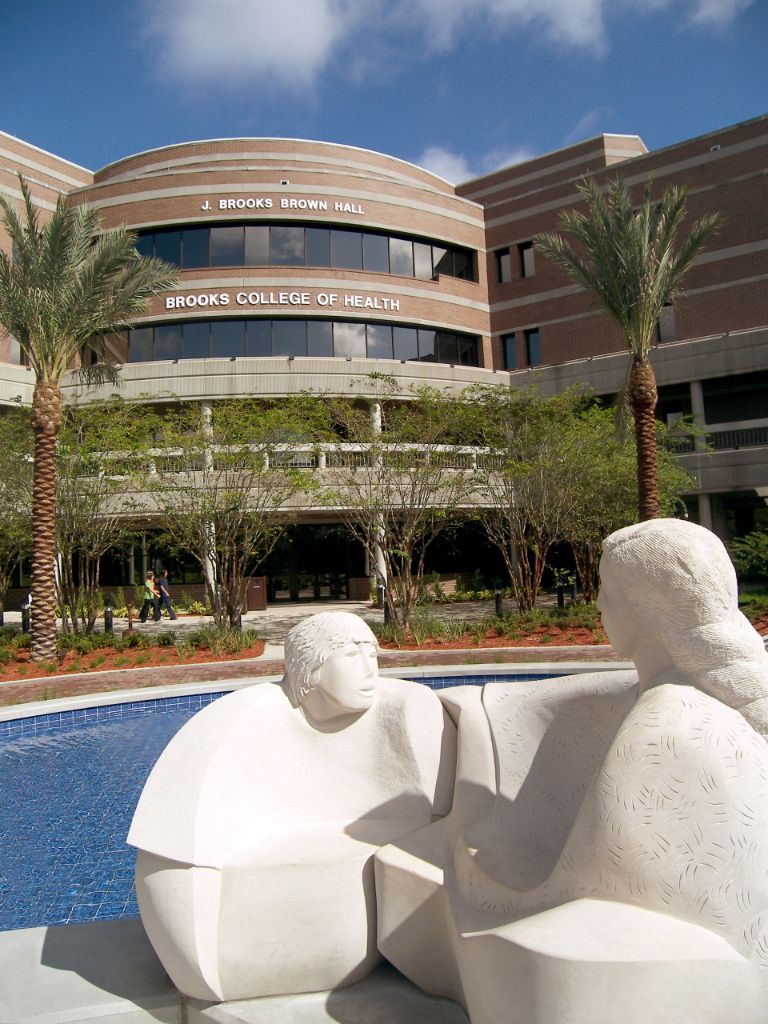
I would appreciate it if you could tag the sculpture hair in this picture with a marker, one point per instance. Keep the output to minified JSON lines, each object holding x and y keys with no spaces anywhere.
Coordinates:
{"x":312,"y":641}
{"x":679,"y":579}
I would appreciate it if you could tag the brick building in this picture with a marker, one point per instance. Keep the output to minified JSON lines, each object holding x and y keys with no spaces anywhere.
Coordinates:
{"x":306,"y":264}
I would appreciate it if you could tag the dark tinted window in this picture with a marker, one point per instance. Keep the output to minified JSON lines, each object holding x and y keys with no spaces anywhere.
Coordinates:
{"x":141,"y":345}
{"x":196,"y":341}
{"x":379,"y":341}
{"x":256,"y":245}
{"x":533,"y":346}
{"x":462,"y":265}
{"x":227,"y":338}
{"x":376,"y":253}
{"x":168,"y":341}
{"x":289,"y":337}
{"x":448,"y":348}
{"x":288,"y":246}
{"x":347,"y":250}
{"x":318,"y":247}
{"x":194,"y":247}
{"x":427,"y":349}
{"x":405,"y":343}
{"x":227,"y":247}
{"x":319,"y":338}
{"x":145,"y":245}
{"x":258,"y":338}
{"x":168,"y":246}
{"x":509,"y":348}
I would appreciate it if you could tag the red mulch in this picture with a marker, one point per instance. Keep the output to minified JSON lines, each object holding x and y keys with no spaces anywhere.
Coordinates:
{"x":107,"y":660}
{"x":557,"y":636}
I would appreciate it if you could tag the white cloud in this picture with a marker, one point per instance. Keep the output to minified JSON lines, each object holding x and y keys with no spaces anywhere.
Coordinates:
{"x":291,"y":43}
{"x":717,"y":13}
{"x":592,"y":123}
{"x":455,"y":167}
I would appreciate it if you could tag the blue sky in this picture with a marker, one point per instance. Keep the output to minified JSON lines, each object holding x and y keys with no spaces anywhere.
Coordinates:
{"x":459,"y":86}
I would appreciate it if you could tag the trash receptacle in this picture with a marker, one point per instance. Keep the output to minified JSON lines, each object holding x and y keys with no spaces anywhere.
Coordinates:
{"x":256,"y":594}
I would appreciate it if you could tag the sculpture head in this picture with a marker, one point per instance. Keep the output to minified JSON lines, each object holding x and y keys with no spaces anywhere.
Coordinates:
{"x":331,"y":666}
{"x":669,"y":592}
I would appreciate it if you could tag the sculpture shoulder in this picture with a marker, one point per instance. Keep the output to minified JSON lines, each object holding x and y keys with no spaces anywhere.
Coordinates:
{"x":177,"y":787}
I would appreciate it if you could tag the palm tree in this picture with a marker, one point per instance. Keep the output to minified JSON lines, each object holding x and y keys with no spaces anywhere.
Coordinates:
{"x":64,"y":286}
{"x":631,"y":261}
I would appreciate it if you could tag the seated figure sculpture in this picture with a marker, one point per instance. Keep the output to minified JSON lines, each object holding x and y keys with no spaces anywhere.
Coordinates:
{"x":257,"y":826}
{"x":606,"y":856}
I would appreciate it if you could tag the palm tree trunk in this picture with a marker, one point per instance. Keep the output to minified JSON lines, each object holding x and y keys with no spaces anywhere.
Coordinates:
{"x":46,"y":422}
{"x":643,"y":396}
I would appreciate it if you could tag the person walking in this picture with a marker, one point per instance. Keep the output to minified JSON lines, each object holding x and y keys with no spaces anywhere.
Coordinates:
{"x":165,"y":597}
{"x":151,"y":598}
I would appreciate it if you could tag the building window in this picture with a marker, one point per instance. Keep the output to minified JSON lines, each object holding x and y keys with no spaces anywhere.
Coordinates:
{"x":229,"y":338}
{"x":527,"y":259}
{"x":509,"y":348}
{"x":533,"y":346}
{"x":666,"y":329}
{"x":503,"y":266}
{"x":280,"y":244}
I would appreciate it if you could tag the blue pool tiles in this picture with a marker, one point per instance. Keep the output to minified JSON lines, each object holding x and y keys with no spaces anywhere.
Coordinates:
{"x":69,"y":782}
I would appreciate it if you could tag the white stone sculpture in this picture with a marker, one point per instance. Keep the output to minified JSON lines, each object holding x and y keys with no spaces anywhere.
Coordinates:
{"x":257,"y":826}
{"x":606,"y":855}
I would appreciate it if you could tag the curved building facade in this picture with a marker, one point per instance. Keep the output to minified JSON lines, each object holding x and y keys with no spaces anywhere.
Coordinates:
{"x":307,"y":265}
{"x":292,"y":249}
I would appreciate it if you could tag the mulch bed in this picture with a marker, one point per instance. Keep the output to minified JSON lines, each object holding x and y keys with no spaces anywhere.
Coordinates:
{"x":540,"y":636}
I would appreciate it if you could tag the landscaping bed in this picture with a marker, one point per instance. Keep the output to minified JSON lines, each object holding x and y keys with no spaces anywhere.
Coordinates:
{"x":105,"y":653}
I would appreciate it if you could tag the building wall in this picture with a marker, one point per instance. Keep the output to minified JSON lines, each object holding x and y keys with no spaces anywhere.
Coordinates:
{"x":720,"y":322}
{"x":726,"y":288}
{"x":48,"y":177}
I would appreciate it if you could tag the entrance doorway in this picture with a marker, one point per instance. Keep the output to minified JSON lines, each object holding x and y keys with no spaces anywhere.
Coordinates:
{"x":313,"y":563}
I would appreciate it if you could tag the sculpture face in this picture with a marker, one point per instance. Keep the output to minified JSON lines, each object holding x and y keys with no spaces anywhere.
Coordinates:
{"x":346,"y":681}
{"x":619,"y":618}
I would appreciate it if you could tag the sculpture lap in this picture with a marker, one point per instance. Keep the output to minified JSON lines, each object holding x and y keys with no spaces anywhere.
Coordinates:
{"x":259,"y":829}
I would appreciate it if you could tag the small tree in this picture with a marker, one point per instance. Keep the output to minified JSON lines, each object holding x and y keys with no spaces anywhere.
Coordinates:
{"x":95,"y":509}
{"x":604,"y":488}
{"x":534,"y":455}
{"x":226,"y":479}
{"x":399,"y":481}
{"x":633,"y":261}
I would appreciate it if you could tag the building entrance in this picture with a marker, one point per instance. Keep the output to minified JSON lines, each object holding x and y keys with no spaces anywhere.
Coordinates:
{"x":315,"y":563}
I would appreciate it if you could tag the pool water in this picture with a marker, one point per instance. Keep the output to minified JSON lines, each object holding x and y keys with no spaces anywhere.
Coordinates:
{"x":69,"y":783}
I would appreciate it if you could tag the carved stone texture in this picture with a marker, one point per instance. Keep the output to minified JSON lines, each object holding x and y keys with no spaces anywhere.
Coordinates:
{"x":257,"y":826}
{"x":606,"y":855}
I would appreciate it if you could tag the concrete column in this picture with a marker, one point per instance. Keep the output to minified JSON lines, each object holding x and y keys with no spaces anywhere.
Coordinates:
{"x":378,"y":553}
{"x":209,"y":567}
{"x":144,"y":562}
{"x":131,"y":567}
{"x":376,"y":417}
{"x":697,"y":407}
{"x":705,"y":511}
